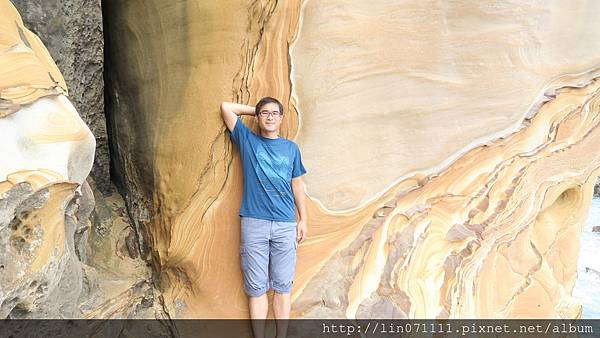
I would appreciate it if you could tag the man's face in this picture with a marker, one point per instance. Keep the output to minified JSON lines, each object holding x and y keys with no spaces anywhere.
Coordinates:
{"x":269,"y":118}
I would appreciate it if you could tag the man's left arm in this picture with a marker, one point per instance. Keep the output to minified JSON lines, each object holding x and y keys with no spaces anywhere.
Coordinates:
{"x":300,"y":198}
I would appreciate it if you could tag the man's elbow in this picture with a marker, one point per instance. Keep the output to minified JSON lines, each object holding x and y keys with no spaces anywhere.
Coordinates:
{"x":297,"y":185}
{"x":224,"y":107}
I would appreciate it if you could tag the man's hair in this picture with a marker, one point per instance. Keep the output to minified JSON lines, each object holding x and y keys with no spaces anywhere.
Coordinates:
{"x":266,"y":100}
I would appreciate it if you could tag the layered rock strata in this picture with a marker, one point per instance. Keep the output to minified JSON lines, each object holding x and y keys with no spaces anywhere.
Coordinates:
{"x":450,"y":149}
{"x":54,"y":261}
{"x":47,"y":152}
{"x":72,"y":32}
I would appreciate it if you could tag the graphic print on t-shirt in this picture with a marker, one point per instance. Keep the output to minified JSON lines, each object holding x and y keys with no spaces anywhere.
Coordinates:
{"x":273,"y":171}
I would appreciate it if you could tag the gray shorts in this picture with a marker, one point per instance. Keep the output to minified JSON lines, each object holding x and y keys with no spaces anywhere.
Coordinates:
{"x":267,"y":255}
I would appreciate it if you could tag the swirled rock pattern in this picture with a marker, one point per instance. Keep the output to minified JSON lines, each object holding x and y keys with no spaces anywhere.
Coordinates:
{"x":54,"y":261}
{"x":450,"y":149}
{"x":71,"y":30}
{"x":47,"y":152}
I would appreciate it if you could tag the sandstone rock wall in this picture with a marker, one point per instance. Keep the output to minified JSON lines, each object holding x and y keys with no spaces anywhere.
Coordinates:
{"x":450,"y":149}
{"x":47,"y":152}
{"x":54,"y":261}
{"x":72,"y":32}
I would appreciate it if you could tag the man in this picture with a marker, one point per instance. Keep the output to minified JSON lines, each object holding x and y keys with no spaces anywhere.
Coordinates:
{"x":273,"y":189}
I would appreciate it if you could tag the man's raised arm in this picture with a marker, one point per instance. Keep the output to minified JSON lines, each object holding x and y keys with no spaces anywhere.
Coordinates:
{"x":230,"y":112}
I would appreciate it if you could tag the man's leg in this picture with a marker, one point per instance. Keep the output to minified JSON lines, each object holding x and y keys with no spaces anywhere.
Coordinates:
{"x":259,"y":307}
{"x":281,"y":309}
{"x":254,"y":258}
{"x":283,"y":268}
{"x":282,"y":305}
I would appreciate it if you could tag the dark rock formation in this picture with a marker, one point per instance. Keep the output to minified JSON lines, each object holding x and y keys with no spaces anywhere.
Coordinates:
{"x":131,"y":162}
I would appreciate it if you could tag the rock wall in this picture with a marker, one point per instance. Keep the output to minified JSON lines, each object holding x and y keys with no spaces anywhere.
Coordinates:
{"x":47,"y":152}
{"x":72,"y":32}
{"x":450,"y":149}
{"x":56,"y":262}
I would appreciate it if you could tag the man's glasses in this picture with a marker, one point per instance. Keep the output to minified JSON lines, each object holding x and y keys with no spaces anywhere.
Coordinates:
{"x":266,"y":113}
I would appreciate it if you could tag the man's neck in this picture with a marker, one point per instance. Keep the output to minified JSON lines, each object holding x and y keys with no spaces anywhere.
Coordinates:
{"x":269,"y":134}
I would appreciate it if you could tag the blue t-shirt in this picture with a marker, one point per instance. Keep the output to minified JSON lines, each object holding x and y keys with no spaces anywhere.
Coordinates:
{"x":269,"y":166}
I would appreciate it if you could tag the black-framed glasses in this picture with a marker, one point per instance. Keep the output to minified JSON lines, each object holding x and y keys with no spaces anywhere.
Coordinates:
{"x":265,"y":113}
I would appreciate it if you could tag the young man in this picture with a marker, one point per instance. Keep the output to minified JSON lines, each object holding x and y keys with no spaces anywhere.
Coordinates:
{"x":273,"y":189}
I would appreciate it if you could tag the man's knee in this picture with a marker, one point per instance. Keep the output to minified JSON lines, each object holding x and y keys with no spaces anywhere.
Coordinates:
{"x":282,"y":288}
{"x":253,"y":290}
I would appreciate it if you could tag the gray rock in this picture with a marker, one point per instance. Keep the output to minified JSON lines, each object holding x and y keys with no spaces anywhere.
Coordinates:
{"x":72,"y":32}
{"x":26,"y":290}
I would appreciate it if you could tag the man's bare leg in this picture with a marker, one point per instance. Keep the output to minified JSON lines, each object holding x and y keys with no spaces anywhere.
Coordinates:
{"x":259,"y":308}
{"x":281,"y":308}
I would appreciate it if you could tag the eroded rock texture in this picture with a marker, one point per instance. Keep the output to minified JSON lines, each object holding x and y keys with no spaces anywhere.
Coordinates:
{"x":47,"y":152}
{"x":72,"y":32}
{"x":451,"y":149}
{"x":117,"y":283}
{"x":54,"y":261}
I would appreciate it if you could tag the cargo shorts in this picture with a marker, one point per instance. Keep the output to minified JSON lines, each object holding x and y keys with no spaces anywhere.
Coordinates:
{"x":267,"y":255}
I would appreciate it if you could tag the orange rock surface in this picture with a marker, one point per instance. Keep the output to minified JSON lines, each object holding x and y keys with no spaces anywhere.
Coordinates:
{"x":451,"y":150}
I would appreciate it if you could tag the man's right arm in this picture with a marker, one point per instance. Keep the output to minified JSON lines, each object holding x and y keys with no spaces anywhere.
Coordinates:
{"x":230,"y":112}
